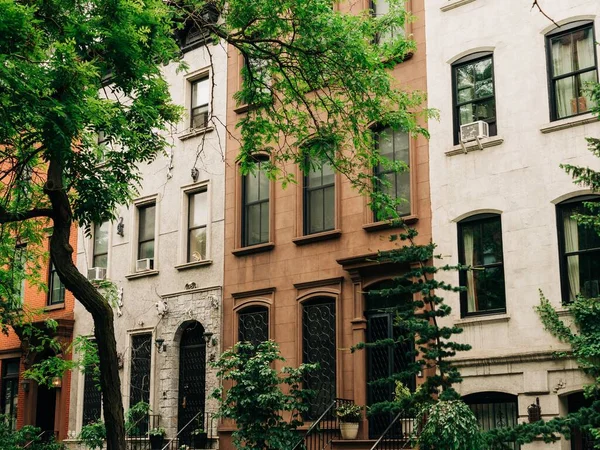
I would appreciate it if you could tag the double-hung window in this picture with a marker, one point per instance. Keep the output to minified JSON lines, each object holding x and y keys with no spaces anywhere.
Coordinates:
{"x":19,"y":271}
{"x":146,"y":231}
{"x":319,"y":199}
{"x":579,"y":251}
{"x":473,"y":92}
{"x":100,"y":245}
{"x":572,"y":64}
{"x":393,"y":146}
{"x":199,"y":110}
{"x":56,"y":288}
{"x":255,"y":211}
{"x":480,"y":246}
{"x":381,"y":8}
{"x":197,"y":225}
{"x":10,"y":388}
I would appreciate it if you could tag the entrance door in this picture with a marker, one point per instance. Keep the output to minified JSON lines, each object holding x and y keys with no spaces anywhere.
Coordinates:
{"x":580,"y":440}
{"x":384,"y":361}
{"x":192,"y":375}
{"x":45,"y":410}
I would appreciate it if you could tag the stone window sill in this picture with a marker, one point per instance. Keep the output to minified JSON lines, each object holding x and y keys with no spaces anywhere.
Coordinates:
{"x":316,"y":237}
{"x":241,"y":109}
{"x":55,"y":307}
{"x":492,"y":141}
{"x":144,"y":274}
{"x":259,"y":248}
{"x":388,"y":224}
{"x":476,"y":320}
{"x":195,"y":132}
{"x":455,"y":4}
{"x":191,"y":265}
{"x":568,"y":123}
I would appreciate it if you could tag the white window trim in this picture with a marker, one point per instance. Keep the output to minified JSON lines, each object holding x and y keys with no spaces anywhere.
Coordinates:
{"x":186,"y":191}
{"x":135,"y":220}
{"x":190,"y":78}
{"x":90,"y":258}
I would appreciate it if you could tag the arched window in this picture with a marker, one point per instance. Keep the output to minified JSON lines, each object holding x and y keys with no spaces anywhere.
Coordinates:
{"x":253,"y":324}
{"x":473,"y":90}
{"x":480,"y":246}
{"x":494,"y":410}
{"x":572,"y":63}
{"x":579,"y":251}
{"x":319,"y":346}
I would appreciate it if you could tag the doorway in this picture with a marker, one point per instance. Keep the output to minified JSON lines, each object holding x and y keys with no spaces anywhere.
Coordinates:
{"x":45,"y":413}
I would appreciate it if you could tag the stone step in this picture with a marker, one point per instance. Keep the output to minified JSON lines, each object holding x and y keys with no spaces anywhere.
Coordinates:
{"x":358,"y":444}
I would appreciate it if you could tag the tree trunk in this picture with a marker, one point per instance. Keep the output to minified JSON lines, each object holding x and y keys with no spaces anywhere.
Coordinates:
{"x":62,"y":256}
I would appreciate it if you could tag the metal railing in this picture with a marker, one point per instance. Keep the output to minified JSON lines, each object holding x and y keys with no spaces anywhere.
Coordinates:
{"x":186,"y":440}
{"x":136,"y":437}
{"x":323,"y":430}
{"x":399,"y":433}
{"x":44,"y":436}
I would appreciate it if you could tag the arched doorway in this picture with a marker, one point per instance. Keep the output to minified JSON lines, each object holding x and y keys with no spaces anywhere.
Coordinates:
{"x":580,"y":440}
{"x":495,"y":410}
{"x":192,"y":380}
{"x":382,"y":362}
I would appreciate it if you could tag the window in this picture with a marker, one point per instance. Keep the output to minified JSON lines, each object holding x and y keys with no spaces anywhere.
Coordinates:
{"x":253,"y":325}
{"x":10,"y":388}
{"x":480,"y":246}
{"x":572,"y":63}
{"x":139,"y":386}
{"x":474,"y":95}
{"x":199,"y":105}
{"x":495,"y":410}
{"x":92,"y":396}
{"x":579,"y":252}
{"x":100,"y":249}
{"x":393,"y":145}
{"x":319,"y":199}
{"x":146,"y":225}
{"x":318,"y":346}
{"x":18,"y":273}
{"x":56,"y":288}
{"x":255,"y":212}
{"x":381,"y":8}
{"x":197,"y":221}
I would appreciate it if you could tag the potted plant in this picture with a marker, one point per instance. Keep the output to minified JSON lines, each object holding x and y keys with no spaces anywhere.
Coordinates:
{"x":157,"y":438}
{"x":349,"y":415}
{"x":199,"y":438}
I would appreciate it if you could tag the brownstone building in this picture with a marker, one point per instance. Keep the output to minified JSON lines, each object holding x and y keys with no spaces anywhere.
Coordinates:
{"x":24,"y":401}
{"x":299,"y":261}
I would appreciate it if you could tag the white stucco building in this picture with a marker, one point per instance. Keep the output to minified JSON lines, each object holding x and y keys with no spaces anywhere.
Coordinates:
{"x":505,"y":206}
{"x":165,"y":257}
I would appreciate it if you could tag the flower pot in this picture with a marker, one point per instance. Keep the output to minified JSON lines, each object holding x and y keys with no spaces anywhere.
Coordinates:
{"x":199,"y":440}
{"x":349,"y":430}
{"x":157,"y":442}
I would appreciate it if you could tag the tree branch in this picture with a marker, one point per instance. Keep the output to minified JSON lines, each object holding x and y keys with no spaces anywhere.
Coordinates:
{"x":535,"y":4}
{"x":7,"y":217}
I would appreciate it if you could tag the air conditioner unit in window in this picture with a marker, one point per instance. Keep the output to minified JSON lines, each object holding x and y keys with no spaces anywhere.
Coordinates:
{"x":96,"y":273}
{"x":142,"y":265}
{"x":474,"y":131}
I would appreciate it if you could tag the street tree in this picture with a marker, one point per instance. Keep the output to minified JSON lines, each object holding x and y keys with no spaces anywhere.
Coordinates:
{"x":315,"y":80}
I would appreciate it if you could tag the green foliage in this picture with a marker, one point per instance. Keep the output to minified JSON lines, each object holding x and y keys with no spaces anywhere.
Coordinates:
{"x":93,"y":435}
{"x":134,"y":416}
{"x":265,"y":414}
{"x":449,"y":425}
{"x":349,"y":412}
{"x":27,"y":436}
{"x":157,"y":432}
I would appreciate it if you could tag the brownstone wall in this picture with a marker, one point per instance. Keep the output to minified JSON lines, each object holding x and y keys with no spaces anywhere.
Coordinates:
{"x":286,"y":273}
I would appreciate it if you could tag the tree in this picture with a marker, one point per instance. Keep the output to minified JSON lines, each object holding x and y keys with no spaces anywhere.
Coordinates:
{"x":69,"y":70}
{"x":256,"y":400}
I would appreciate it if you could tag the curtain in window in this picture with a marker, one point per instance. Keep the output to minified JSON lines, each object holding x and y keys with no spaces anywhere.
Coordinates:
{"x":572,"y":245}
{"x":469,"y":259}
{"x":585,"y":56}
{"x":562,"y":58}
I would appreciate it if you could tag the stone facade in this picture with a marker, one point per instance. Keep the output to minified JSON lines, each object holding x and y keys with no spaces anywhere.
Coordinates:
{"x":174,"y":293}
{"x":516,"y":176}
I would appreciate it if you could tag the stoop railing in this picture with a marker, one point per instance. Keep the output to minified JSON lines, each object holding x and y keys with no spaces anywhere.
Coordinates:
{"x":398,"y":434}
{"x":323,"y":430}
{"x":184,"y":439}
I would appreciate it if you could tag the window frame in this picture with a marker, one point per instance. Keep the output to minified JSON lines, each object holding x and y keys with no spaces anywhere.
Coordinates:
{"x":198,"y":78}
{"x":480,"y":218}
{"x":467,"y":60}
{"x":373,"y":11}
{"x":253,"y":309}
{"x":562,"y":254}
{"x":377,"y":130}
{"x":133,"y":367}
{"x":14,"y":409}
{"x":306,"y":204}
{"x":94,"y":255}
{"x":245,"y":205}
{"x":51,"y":272}
{"x":140,"y":207}
{"x":563,"y":30}
{"x":189,"y":195}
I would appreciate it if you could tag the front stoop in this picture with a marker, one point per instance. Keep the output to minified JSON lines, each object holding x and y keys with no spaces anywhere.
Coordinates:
{"x":354,"y":444}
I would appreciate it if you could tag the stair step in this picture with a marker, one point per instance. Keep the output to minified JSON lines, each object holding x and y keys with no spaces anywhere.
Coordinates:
{"x":354,"y":444}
